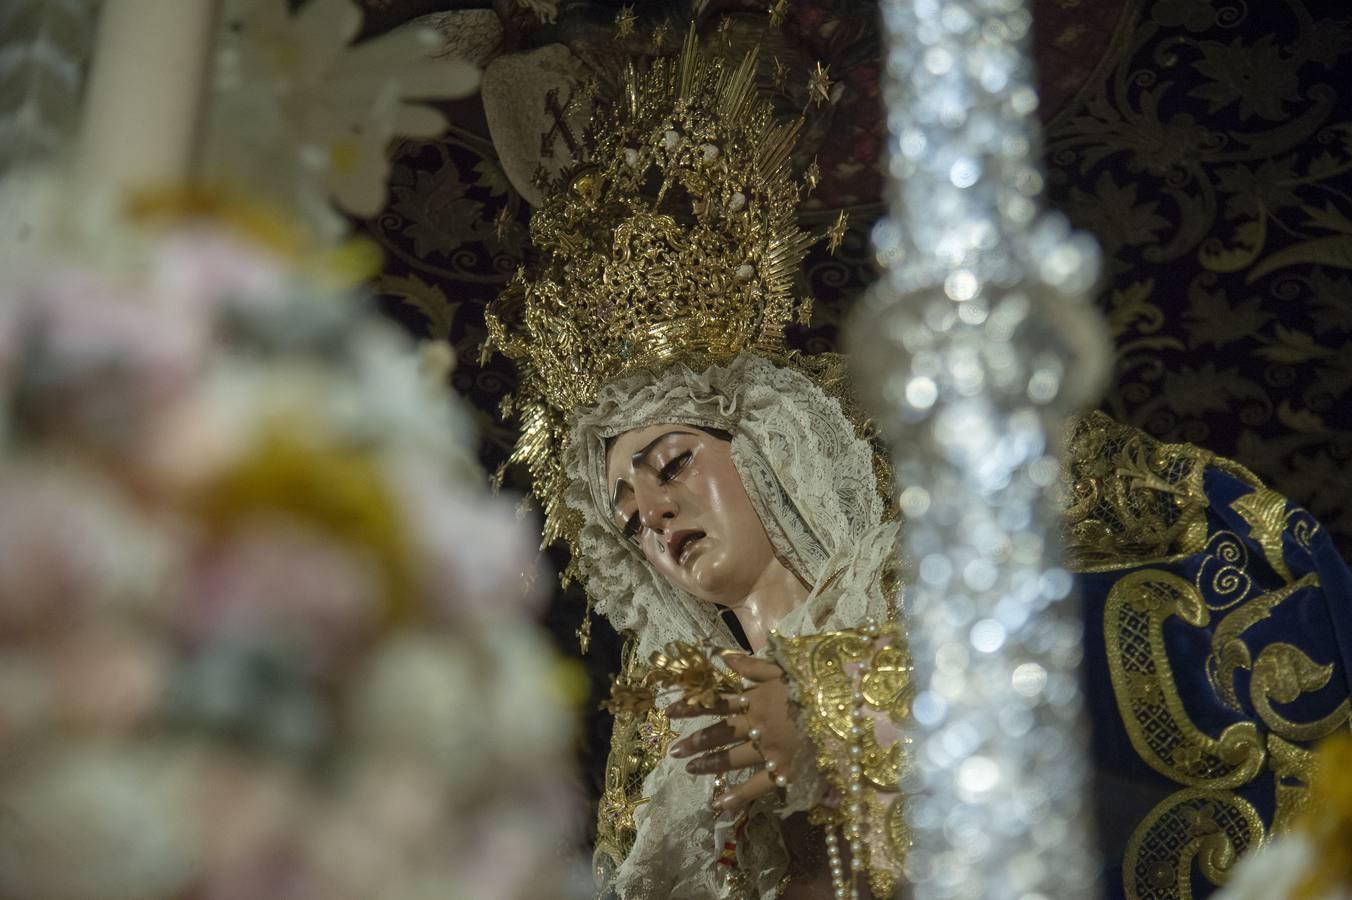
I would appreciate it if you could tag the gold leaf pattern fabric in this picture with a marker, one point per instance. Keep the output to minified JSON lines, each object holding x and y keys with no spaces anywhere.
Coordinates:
{"x":1213,"y":164}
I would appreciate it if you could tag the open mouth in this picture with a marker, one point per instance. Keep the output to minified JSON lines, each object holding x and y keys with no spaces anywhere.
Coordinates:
{"x":683,"y":543}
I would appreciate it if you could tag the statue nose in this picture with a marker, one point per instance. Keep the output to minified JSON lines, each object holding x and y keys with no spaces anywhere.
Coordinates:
{"x":656,"y":514}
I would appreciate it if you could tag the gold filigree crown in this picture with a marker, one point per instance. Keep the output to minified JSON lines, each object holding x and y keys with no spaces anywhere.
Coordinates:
{"x":676,"y":239}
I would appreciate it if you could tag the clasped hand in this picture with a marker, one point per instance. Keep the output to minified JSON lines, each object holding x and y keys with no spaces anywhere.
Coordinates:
{"x":729,"y":744}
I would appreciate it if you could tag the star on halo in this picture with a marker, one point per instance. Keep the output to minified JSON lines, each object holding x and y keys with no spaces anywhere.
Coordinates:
{"x":725,"y":31}
{"x":836,"y":233}
{"x":501,"y":223}
{"x":819,"y":84}
{"x":813,"y":176}
{"x":661,"y":35}
{"x":624,"y":23}
{"x":777,"y":13}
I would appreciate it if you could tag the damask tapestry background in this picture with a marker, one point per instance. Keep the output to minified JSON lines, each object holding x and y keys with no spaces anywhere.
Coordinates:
{"x":1208,"y":145}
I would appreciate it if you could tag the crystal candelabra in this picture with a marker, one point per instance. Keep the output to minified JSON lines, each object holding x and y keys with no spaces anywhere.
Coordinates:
{"x":972,"y":348}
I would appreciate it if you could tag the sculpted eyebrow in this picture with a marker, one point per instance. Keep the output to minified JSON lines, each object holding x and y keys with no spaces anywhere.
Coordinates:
{"x":637,"y":460}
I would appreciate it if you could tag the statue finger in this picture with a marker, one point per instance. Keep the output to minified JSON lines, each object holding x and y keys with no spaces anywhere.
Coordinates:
{"x":751,"y":668}
{"x":724,"y":705}
{"x":737,"y":798}
{"x":742,"y":756}
{"x":720,"y":734}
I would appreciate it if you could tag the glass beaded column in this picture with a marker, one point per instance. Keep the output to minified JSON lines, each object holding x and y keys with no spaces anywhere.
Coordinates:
{"x":971,"y":350}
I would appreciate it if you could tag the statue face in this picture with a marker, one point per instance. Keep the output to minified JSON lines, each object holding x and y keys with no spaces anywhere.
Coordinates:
{"x":676,"y":493}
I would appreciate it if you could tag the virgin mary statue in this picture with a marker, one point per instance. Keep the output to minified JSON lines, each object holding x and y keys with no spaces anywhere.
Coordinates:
{"x":694,"y":465}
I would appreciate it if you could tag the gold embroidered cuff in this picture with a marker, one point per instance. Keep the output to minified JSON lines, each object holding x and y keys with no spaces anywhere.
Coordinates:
{"x":855,"y":690}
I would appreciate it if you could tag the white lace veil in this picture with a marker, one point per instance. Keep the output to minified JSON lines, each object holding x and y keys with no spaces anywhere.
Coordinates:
{"x":811,"y":480}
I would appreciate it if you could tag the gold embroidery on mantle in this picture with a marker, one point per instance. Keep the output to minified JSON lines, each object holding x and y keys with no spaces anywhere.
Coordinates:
{"x":1265,"y":512}
{"x":820,"y":663}
{"x":1158,"y":725}
{"x":1207,"y":826}
{"x":1303,"y":528}
{"x":1294,"y":768}
{"x":1129,"y":498}
{"x":1283,"y":672}
{"x":1224,"y":571}
{"x":821,"y":666}
{"x":1204,"y":825}
{"x":1228,"y":650}
{"x":637,"y":743}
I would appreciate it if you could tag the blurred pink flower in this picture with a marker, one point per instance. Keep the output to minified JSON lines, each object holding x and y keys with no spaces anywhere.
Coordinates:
{"x":70,"y":545}
{"x":87,"y":322}
{"x":254,"y":817}
{"x":383,"y":827}
{"x":109,"y":678}
{"x":9,"y":339}
{"x":206,"y":267}
{"x":101,"y":359}
{"x":114,"y":352}
{"x":190,"y":443}
{"x":402,"y":798}
{"x":276,"y":575}
{"x":525,"y":838}
{"x":479,"y":558}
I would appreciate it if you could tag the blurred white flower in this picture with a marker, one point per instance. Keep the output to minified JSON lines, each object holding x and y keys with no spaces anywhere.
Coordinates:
{"x":27,"y":698}
{"x":476,"y":556}
{"x":295,"y":108}
{"x":122,"y":810}
{"x":9,"y":352}
{"x":421,"y":695}
{"x":72,"y":546}
{"x":391,"y":394}
{"x":1272,"y":872}
{"x":524,"y":673}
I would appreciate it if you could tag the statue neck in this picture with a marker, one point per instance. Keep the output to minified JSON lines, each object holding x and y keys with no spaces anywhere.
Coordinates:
{"x":775,"y":594}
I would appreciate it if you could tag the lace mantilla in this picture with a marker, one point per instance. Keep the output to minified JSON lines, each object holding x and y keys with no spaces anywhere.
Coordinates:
{"x":810,"y":478}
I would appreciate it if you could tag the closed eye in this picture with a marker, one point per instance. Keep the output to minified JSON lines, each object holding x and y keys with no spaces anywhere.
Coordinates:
{"x":631,"y":527}
{"x":673,"y":468}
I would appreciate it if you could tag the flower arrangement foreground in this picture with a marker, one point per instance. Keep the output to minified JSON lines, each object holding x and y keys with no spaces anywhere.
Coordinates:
{"x":263,"y":631}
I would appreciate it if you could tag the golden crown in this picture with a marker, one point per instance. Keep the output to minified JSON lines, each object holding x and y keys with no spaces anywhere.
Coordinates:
{"x":675,"y":240}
